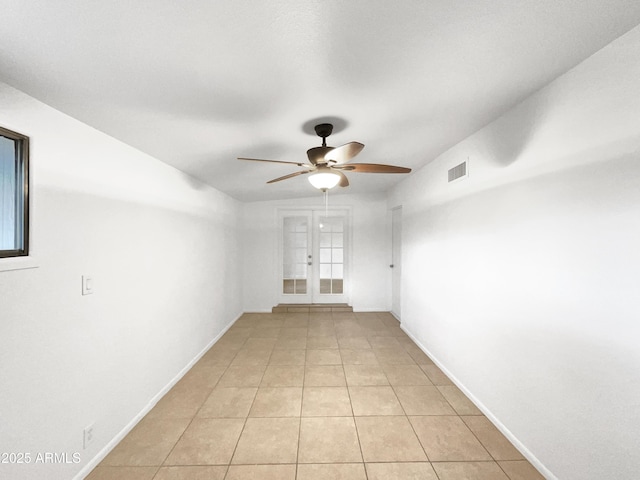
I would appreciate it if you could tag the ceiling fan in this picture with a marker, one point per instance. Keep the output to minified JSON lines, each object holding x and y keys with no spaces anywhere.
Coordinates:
{"x":327,"y":165}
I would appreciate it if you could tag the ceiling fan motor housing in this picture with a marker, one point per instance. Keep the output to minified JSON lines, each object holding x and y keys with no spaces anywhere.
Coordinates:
{"x":316,"y":155}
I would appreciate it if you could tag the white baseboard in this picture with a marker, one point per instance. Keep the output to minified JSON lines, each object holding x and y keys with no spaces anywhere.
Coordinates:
{"x":152,"y":403}
{"x":487,"y":413}
{"x":369,"y":310}
{"x":396,"y":316}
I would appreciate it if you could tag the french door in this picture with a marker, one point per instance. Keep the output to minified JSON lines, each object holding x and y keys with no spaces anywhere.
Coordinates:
{"x":313,"y":256}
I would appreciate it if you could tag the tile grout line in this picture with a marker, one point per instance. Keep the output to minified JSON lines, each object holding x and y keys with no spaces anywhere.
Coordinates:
{"x":483,"y":446}
{"x":493,"y":460}
{"x":245,"y":418}
{"x":304,"y":373}
{"x":155,"y":474}
{"x":410,"y":424}
{"x":198,"y":410}
{"x":468,"y":428}
{"x":355,"y":424}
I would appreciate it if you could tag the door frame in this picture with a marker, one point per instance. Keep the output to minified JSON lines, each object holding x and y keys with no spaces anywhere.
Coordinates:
{"x":396,"y":261}
{"x":313,"y":295}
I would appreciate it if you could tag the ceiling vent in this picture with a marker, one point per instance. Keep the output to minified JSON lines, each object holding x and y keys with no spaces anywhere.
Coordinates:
{"x":459,"y":171}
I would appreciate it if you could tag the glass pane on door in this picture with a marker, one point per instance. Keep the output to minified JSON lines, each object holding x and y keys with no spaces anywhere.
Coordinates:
{"x":295,"y":269}
{"x":331,"y":255}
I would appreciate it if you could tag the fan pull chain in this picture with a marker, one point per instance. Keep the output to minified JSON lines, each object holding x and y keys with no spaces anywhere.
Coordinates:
{"x":326,"y":202}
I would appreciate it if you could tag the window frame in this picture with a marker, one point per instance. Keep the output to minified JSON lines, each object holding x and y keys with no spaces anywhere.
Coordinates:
{"x":23,"y":164}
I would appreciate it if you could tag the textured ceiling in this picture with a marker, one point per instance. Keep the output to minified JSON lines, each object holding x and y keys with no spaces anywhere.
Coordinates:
{"x":198,"y":83}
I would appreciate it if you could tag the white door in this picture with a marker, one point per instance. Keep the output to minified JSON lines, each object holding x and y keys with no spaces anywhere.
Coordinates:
{"x":396,"y":258}
{"x":330,"y":265}
{"x":296,"y":258}
{"x":314,"y":245}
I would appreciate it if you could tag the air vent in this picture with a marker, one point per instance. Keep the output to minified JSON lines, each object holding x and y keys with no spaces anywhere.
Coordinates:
{"x":458,"y":171}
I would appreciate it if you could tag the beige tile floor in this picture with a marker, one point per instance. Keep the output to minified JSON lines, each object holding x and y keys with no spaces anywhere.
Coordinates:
{"x":331,"y":396}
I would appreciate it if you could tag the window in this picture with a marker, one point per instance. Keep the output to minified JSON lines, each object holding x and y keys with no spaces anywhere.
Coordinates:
{"x":14,"y":192}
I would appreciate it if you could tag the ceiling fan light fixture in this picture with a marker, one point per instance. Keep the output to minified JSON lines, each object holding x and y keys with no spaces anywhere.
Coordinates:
{"x":324,"y":180}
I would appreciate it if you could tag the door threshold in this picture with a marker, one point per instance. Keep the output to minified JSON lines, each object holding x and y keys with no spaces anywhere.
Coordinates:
{"x":311,"y":308}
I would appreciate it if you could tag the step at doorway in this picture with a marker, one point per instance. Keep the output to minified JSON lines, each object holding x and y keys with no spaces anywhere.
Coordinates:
{"x":312,"y":308}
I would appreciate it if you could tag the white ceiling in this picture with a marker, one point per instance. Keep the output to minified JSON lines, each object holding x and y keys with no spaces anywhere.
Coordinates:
{"x":198,"y":83}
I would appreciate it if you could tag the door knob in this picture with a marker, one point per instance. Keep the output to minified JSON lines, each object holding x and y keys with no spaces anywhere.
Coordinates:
{"x":391,"y":266}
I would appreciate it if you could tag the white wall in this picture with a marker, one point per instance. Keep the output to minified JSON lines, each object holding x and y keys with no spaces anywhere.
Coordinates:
{"x":371,"y":250}
{"x":163,"y":250}
{"x":522,"y":280}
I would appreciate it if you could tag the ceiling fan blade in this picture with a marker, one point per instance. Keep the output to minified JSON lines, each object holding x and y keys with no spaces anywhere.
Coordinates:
{"x":344,"y":153}
{"x":276,"y":161}
{"x":344,"y":181}
{"x":371,"y":168}
{"x":291,"y":175}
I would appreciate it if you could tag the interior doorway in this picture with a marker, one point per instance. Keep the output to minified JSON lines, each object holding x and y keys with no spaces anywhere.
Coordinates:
{"x":396,"y":260}
{"x":314,"y":256}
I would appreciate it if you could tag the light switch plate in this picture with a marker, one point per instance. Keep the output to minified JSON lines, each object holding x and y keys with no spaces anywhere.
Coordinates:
{"x":87,"y":285}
